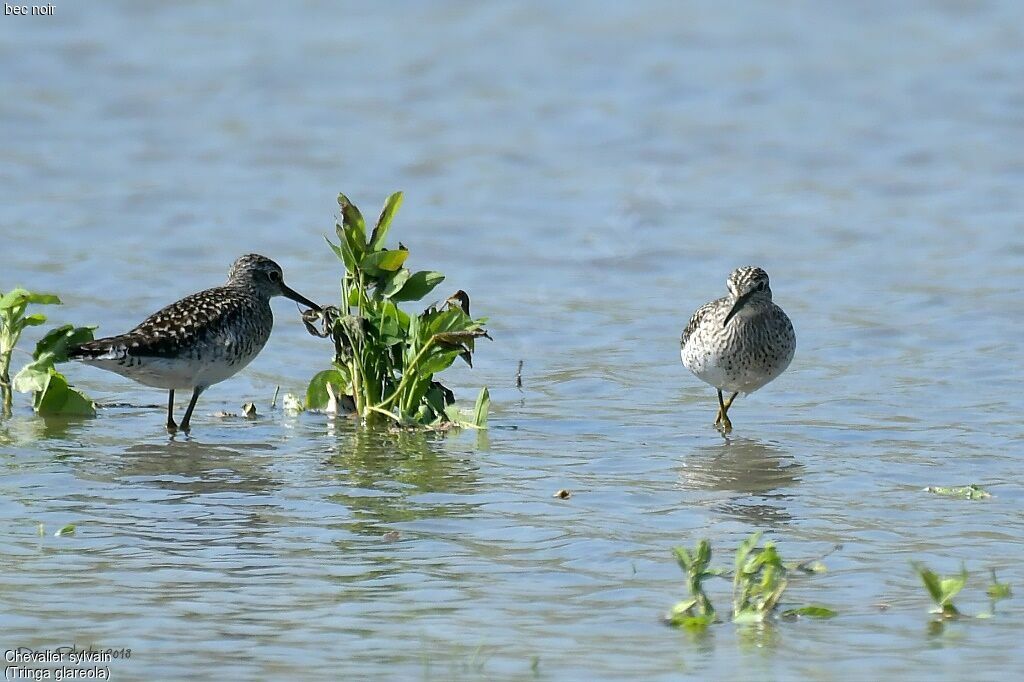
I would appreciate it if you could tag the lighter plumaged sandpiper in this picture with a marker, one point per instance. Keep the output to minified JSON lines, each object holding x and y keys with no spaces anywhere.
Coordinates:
{"x":740,"y":342}
{"x":200,"y":340}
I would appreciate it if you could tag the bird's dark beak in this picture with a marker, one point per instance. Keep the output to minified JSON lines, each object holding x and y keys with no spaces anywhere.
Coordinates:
{"x":298,"y":298}
{"x":740,"y":302}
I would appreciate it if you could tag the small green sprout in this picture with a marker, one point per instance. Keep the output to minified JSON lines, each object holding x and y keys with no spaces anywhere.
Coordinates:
{"x":942,"y":589}
{"x":997,"y":590}
{"x":51,"y":393}
{"x":697,"y":611}
{"x":759,"y":581}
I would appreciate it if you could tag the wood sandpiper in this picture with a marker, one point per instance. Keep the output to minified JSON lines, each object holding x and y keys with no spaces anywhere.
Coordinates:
{"x":740,"y":342}
{"x":200,"y":340}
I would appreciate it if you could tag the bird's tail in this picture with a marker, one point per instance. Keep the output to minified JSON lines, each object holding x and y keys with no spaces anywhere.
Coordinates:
{"x":110,"y":348}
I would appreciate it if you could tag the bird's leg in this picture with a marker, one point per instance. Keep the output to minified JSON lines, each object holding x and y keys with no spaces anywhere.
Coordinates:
{"x":191,"y":406}
{"x":171,"y":426}
{"x":723,"y":412}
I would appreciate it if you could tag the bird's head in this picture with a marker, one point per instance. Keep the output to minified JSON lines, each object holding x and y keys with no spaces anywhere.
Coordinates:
{"x":748,"y":286}
{"x":266,"y":277}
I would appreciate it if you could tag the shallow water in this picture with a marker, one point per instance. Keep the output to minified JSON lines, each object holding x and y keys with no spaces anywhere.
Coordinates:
{"x":590,"y":177}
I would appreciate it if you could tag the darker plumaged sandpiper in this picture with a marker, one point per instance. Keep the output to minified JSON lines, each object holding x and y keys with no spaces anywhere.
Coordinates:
{"x":740,"y":342}
{"x":200,"y":340}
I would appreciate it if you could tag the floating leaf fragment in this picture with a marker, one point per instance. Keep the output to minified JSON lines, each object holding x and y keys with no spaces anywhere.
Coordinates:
{"x":967,"y":492}
{"x":812,"y":611}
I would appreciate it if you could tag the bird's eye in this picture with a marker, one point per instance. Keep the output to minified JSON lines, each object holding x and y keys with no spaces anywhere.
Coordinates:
{"x":274,"y":276}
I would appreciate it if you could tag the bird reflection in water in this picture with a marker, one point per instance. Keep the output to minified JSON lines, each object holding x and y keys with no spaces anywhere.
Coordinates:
{"x":390,"y":478}
{"x":748,"y":467}
{"x":199,"y":468}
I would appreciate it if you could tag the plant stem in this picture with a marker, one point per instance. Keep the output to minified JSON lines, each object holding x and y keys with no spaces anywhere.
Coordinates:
{"x":407,"y":372}
{"x":6,"y":349}
{"x":357,"y":388}
{"x":392,"y":415}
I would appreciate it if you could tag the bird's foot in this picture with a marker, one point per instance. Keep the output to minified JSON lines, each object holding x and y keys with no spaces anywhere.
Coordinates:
{"x":172,"y":428}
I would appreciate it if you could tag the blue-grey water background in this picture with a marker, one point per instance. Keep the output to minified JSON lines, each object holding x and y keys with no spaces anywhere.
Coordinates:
{"x":590,"y":173}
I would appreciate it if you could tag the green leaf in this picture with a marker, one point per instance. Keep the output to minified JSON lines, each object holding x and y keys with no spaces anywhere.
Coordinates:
{"x":930,"y":581}
{"x":743,"y":551}
{"x":703,"y":554}
{"x":14,"y":298}
{"x":68,"y":529}
{"x":435,"y":400}
{"x":952,"y":586}
{"x":57,"y":398}
{"x":437,"y":361}
{"x":941,"y":589}
{"x":316,"y":394}
{"x":380,"y":232}
{"x":691,"y":622}
{"x":810,"y":612}
{"x":382,"y":262}
{"x":34,"y":376}
{"x":34,"y":320}
{"x":394,"y":283}
{"x":352,"y":221}
{"x":419,"y":285}
{"x":483,"y":406}
{"x":43,"y":299}
{"x":683,"y":558}
{"x":344,"y":253}
{"x":59,"y":340}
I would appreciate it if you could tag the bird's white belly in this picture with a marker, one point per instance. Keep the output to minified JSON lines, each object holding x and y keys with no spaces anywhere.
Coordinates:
{"x":177,"y":373}
{"x":729,"y":372}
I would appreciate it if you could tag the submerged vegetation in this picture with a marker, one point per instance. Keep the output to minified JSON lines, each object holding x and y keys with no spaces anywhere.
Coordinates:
{"x":51,"y":393}
{"x":759,"y":579}
{"x":385,"y":359}
{"x":942,"y":589}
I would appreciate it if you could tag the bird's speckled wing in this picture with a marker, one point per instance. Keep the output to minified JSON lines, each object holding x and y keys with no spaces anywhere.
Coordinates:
{"x":698,"y":319}
{"x":172,"y":330}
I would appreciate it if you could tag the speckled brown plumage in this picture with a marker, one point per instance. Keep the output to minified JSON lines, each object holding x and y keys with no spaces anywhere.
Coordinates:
{"x":191,"y":327}
{"x":740,"y":342}
{"x":200,"y":340}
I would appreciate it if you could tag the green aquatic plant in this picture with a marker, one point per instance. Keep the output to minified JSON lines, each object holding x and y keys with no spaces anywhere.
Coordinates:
{"x":997,"y":590}
{"x":697,"y":611}
{"x":759,"y":579}
{"x":65,"y":530}
{"x":51,"y":393}
{"x":385,"y":359}
{"x":942,"y":589}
